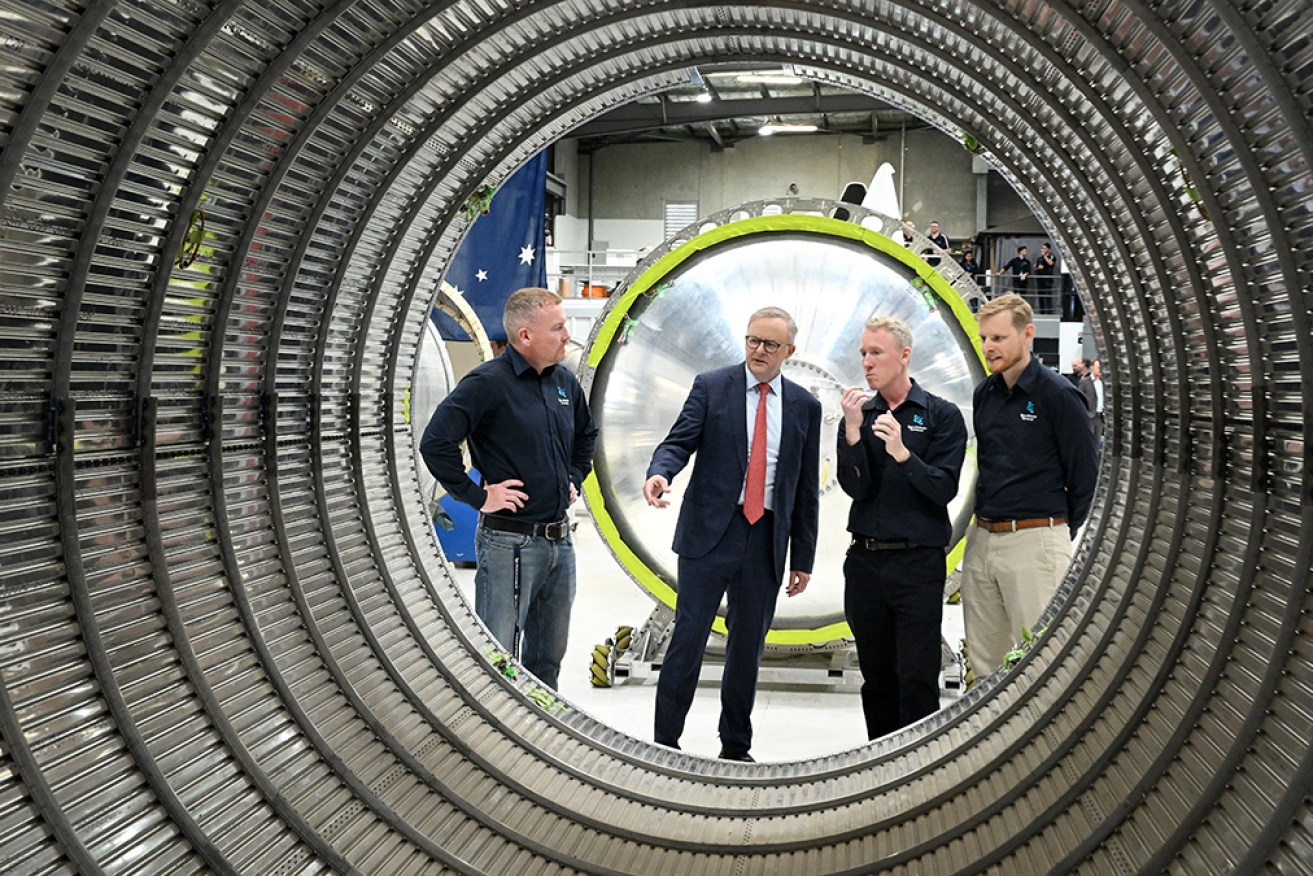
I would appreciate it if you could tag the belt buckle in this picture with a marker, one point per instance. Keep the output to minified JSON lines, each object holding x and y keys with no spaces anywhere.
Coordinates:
{"x":556,"y":531}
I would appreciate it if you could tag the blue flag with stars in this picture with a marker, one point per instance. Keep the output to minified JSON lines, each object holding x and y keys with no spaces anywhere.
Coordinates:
{"x":502,"y":252}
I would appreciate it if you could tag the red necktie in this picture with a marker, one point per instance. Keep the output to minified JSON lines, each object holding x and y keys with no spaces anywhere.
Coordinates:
{"x":754,"y":492}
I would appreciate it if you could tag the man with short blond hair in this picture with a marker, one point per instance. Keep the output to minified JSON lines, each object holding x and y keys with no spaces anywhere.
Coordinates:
{"x":1037,"y":472}
{"x":900,"y":454}
{"x":898,"y":330}
{"x":523,"y":306}
{"x":531,"y":438}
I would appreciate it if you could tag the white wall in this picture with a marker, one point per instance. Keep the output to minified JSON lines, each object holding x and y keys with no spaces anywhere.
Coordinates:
{"x":629,"y":233}
{"x":570,"y":233}
{"x":633,"y":181}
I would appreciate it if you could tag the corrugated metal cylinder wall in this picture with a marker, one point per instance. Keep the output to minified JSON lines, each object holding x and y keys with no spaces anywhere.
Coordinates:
{"x":228,"y":642}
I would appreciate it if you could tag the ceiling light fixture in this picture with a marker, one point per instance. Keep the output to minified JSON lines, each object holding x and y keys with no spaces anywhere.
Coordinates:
{"x":703,"y":97}
{"x":777,"y":128}
{"x":770,"y":78}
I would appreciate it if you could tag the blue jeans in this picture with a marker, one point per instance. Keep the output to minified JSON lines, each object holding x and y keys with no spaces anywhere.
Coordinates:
{"x":542,"y":615}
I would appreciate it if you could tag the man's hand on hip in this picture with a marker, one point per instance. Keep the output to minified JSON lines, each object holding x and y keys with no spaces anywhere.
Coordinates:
{"x":504,"y":496}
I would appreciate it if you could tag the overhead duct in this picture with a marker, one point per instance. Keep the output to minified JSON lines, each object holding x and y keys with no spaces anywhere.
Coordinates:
{"x":228,"y":642}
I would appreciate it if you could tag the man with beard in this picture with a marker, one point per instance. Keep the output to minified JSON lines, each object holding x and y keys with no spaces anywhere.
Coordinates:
{"x":1037,"y":471}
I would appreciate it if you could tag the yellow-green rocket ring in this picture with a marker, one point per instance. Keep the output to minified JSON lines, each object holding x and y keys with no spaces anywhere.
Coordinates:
{"x":682,"y":314}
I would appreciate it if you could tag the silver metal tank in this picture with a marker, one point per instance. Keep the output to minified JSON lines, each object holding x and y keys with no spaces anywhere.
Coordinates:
{"x":685,"y":309}
{"x":435,"y":376}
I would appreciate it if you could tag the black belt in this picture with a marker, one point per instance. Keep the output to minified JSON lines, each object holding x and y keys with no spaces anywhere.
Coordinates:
{"x":872,"y":545}
{"x":550,"y":531}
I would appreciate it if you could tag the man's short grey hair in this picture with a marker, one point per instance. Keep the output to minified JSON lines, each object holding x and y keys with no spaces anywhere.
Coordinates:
{"x":777,"y":313}
{"x":521,"y":307}
{"x":900,"y":330}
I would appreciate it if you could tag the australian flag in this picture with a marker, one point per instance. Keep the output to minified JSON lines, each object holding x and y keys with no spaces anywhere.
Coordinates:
{"x":502,"y":252}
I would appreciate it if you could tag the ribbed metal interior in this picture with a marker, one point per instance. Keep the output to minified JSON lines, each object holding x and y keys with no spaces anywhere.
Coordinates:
{"x":227,"y":640}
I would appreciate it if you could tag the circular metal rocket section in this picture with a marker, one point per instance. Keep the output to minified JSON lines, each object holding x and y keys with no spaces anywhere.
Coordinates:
{"x":686,"y":311}
{"x":435,"y":376}
{"x":228,"y":641}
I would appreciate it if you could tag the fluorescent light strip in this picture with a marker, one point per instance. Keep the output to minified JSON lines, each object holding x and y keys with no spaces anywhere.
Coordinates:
{"x":767,"y":130}
{"x":770,"y":78}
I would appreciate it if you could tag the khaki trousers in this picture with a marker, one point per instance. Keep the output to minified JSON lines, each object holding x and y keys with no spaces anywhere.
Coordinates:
{"x":1007,"y":580}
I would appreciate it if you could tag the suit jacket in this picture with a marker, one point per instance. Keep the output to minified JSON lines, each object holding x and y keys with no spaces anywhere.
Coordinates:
{"x":1086,"y":387}
{"x":713,"y":424}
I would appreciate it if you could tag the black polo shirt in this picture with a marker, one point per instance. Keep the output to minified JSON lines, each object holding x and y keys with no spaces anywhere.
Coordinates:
{"x":1018,"y":266}
{"x":520,"y":424}
{"x":1034,"y":448}
{"x":907,"y":502}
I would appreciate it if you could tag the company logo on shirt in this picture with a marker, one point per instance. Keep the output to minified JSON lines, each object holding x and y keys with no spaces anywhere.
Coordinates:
{"x":561,"y":397}
{"x":1029,"y":416}
{"x":917,"y":424}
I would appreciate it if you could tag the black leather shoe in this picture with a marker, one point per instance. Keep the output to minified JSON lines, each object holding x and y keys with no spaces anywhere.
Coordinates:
{"x":742,"y":756}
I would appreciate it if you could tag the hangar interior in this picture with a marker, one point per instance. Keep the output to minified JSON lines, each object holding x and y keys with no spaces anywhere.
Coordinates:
{"x":228,"y":640}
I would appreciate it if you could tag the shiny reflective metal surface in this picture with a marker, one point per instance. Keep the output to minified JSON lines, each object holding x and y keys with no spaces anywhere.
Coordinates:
{"x":694,"y":319}
{"x":435,"y":376}
{"x":227,"y":640}
{"x":451,"y":302}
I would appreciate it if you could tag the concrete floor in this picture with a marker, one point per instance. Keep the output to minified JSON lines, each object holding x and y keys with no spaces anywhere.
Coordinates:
{"x":789,"y":724}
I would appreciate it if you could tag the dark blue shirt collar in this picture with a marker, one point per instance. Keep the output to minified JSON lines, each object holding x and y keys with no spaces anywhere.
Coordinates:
{"x":1026,"y":382}
{"x":521,"y":365}
{"x":916,"y":395}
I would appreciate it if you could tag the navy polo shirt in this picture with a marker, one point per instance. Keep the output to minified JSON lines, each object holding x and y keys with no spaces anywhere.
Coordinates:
{"x":909,"y":501}
{"x":520,"y":424}
{"x":1034,"y":448}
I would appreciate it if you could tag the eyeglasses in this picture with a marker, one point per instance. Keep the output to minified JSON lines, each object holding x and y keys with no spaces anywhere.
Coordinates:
{"x":754,"y":342}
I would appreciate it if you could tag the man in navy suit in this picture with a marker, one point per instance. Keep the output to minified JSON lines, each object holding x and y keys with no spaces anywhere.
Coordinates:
{"x":754,"y":495}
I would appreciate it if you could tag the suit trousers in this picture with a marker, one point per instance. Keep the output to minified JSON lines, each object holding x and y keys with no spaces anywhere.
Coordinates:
{"x":740,"y":567}
{"x":894,"y":602}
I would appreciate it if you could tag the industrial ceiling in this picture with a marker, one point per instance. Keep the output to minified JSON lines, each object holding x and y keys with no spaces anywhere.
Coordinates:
{"x":228,"y":640}
{"x":722,"y":104}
